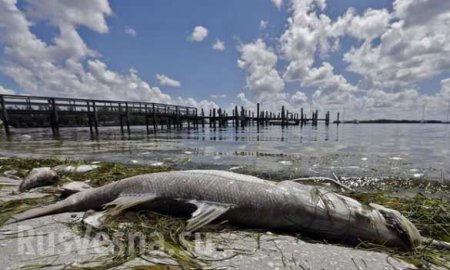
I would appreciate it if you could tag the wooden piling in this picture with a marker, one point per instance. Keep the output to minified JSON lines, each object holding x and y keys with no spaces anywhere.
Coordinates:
{"x":127,"y":112}
{"x":54,"y":121}
{"x":120,"y":119}
{"x":214,"y":118}
{"x":203,"y":118}
{"x":258,"y":115}
{"x":4,"y":115}
{"x":236,"y":117}
{"x":177,"y":117}
{"x":242,"y":116}
{"x":94,"y":108}
{"x":301,"y":117}
{"x":154,"y":118}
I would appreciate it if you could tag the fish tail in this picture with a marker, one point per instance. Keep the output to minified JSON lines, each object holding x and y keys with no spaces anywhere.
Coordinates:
{"x":82,"y":201}
{"x":55,"y":208}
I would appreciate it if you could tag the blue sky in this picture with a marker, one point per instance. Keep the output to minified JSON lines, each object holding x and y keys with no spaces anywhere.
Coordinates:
{"x":368,"y":57}
{"x":162,"y":46}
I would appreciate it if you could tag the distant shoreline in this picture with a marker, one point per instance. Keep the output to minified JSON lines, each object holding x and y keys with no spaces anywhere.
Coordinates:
{"x":391,"y":121}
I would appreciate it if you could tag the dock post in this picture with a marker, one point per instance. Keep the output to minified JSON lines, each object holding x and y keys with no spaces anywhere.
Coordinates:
{"x":196,"y":119}
{"x":257,"y":114}
{"x":203,"y":118}
{"x":242,"y":116}
{"x":214,"y":118}
{"x":120,"y":118}
{"x":301,"y":117}
{"x":154,"y":117}
{"x":327,"y":118}
{"x":146,"y":119}
{"x":337,"y":119}
{"x":219,"y":116}
{"x":187,"y":119}
{"x":317,"y":117}
{"x":236,"y":117}
{"x":4,"y":115}
{"x":210,"y":119}
{"x":127,"y":111}
{"x":94,"y":108}
{"x":54,"y":118}
{"x":88,"y":106}
{"x":282,"y":116}
{"x":177,"y":117}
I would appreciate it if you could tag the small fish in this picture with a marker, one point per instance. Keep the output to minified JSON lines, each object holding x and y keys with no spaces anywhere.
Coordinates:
{"x":209,"y":195}
{"x":39,"y":177}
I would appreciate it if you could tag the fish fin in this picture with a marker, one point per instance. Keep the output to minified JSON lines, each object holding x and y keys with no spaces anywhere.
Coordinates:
{"x":127,"y":201}
{"x":206,"y":212}
{"x":96,"y":220}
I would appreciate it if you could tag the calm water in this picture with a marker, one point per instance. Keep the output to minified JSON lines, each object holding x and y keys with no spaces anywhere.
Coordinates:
{"x":364,"y":150}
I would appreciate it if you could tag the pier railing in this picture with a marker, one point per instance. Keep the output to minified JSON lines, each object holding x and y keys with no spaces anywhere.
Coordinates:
{"x":55,"y":107}
{"x":23,"y":111}
{"x":34,"y":104}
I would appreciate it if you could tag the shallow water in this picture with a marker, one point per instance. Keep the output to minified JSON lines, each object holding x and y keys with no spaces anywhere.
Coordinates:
{"x":404,"y":151}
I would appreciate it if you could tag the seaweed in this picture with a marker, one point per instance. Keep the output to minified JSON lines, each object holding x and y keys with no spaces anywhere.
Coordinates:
{"x":429,"y":215}
{"x":428,"y":210}
{"x":9,"y":208}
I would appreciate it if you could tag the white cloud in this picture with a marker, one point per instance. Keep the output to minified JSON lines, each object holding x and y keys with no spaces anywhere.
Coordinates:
{"x":164,"y":80}
{"x":421,"y":11}
{"x":259,"y":62}
{"x":299,"y":98}
{"x":218,"y":45}
{"x":66,"y":66}
{"x":5,"y":91}
{"x":277,"y":3}
{"x":130,"y":31}
{"x":413,"y":48}
{"x":74,"y":13}
{"x":308,"y":35}
{"x":445,"y":90}
{"x":199,"y":34}
{"x":393,"y":51}
{"x":371,"y":25}
{"x":243,"y":101}
{"x":263,"y":24}
{"x":205,"y":104}
{"x":217,"y":96}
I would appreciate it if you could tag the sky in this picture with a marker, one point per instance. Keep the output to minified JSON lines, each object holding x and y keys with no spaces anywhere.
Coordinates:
{"x":367,"y":59}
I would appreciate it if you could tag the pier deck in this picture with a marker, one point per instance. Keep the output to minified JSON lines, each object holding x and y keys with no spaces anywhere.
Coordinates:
{"x":54,"y":112}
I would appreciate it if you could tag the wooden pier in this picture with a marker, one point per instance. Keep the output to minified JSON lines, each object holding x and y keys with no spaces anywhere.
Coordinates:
{"x":33,"y":111}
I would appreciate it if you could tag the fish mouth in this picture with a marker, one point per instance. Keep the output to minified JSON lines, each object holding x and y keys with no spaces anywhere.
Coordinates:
{"x":405,"y":230}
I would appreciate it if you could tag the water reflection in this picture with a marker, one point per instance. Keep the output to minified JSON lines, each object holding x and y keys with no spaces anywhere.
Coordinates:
{"x":416,"y":149}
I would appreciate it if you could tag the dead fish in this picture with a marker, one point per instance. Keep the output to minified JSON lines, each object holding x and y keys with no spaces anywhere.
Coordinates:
{"x":38,"y":177}
{"x":75,"y":169}
{"x":11,"y":174}
{"x":73,"y":187}
{"x":209,"y":195}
